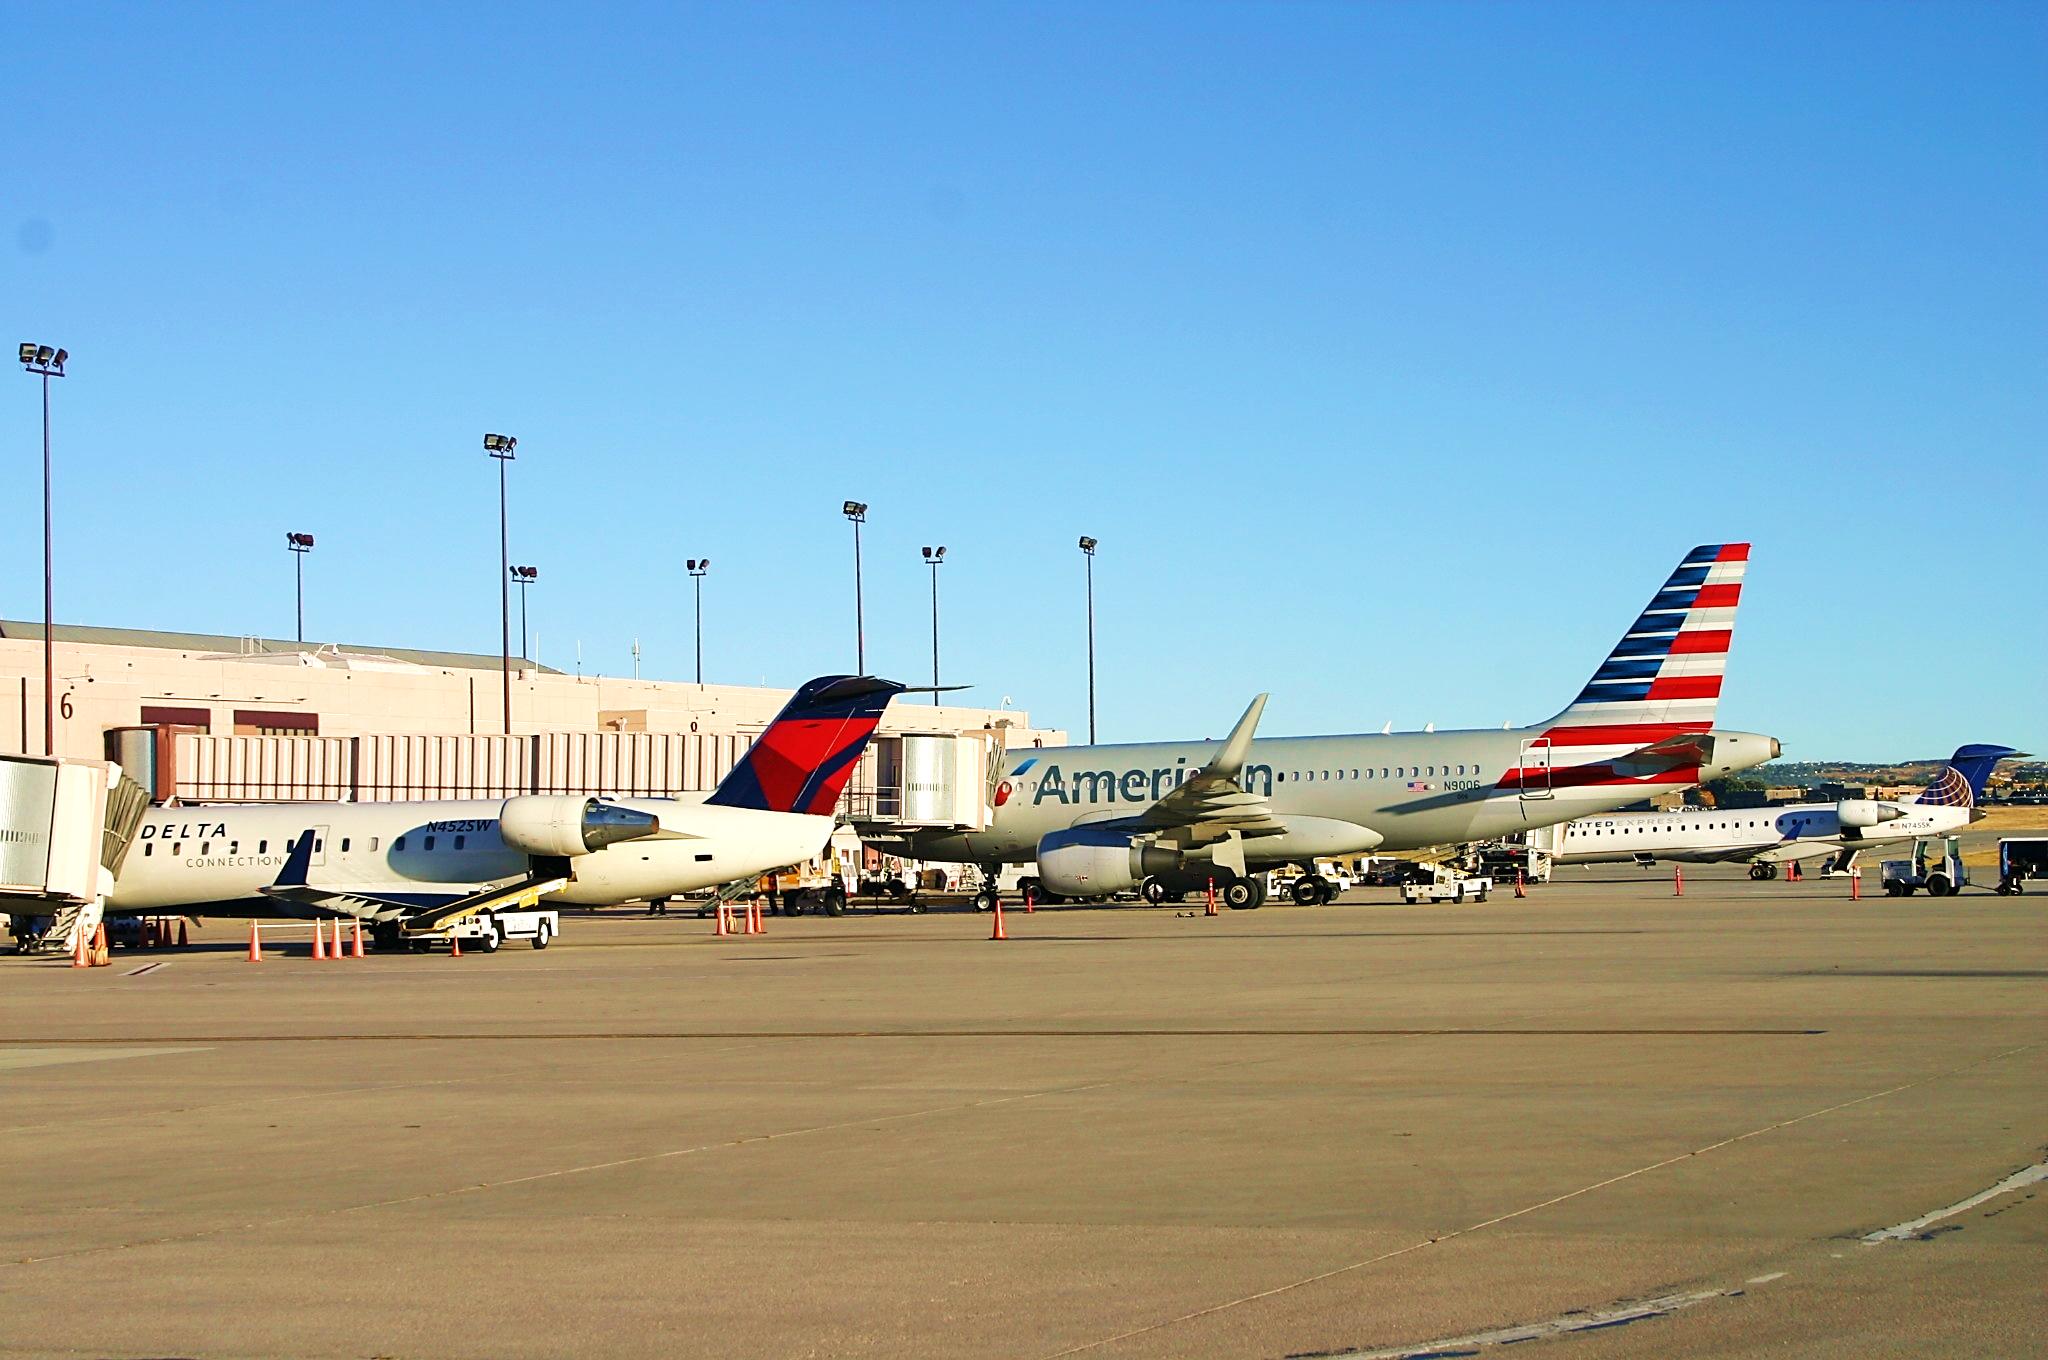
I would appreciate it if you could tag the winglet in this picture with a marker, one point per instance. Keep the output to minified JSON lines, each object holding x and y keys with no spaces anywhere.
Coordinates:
{"x":293,"y":875}
{"x":1238,"y":747}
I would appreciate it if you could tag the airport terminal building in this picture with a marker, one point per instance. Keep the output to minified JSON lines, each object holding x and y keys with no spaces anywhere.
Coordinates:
{"x":207,"y":718}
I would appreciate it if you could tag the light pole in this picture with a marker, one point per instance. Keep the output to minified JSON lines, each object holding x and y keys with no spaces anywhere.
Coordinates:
{"x":934,"y":558}
{"x":502,"y":448}
{"x":1088,"y":552}
{"x":300,"y":545}
{"x":46,"y":363}
{"x":525,"y":576}
{"x":697,"y":566}
{"x":857,"y":511}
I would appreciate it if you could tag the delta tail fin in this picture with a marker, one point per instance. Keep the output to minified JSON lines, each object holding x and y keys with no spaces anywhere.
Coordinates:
{"x":1664,"y":677}
{"x":1961,"y":781}
{"x":804,"y":759}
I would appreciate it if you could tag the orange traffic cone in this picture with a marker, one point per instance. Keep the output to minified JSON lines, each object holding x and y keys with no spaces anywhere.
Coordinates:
{"x":1678,"y":881}
{"x":454,"y":945}
{"x":1520,"y":889}
{"x":184,"y":940}
{"x":1855,"y":885}
{"x":999,"y":933}
{"x":319,"y":938}
{"x":336,"y":954}
{"x":99,"y":946}
{"x":255,"y":944}
{"x":1030,"y":901}
{"x":357,"y":951}
{"x":724,"y":926}
{"x":81,"y":951}
{"x":1210,"y":910}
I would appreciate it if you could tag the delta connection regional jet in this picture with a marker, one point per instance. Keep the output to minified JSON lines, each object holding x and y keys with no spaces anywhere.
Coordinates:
{"x":1103,"y":819}
{"x":400,"y":865}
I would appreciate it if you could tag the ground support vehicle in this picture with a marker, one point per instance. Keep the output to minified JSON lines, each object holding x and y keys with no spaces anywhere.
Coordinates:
{"x":486,"y":931}
{"x":1937,"y":866}
{"x":1449,"y":886}
{"x":2019,"y":859}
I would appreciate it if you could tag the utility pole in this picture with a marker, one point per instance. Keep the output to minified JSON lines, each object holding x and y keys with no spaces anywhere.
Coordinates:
{"x":47,"y":363}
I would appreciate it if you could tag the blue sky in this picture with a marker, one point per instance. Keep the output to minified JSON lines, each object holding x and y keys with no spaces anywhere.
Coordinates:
{"x":1394,"y":353}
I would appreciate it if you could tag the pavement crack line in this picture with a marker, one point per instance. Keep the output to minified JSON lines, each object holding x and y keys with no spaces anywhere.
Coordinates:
{"x":1913,"y":1227}
{"x":1527,"y":1209}
{"x":587,"y":1168}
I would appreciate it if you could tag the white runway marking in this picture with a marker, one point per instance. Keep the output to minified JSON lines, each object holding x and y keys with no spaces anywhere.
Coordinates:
{"x":1899,"y":1232}
{"x":1617,"y":1316}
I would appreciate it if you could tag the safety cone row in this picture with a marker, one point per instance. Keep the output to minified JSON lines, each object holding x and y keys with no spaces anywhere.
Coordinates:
{"x":999,"y":933}
{"x":91,"y":950}
{"x":755,"y":925}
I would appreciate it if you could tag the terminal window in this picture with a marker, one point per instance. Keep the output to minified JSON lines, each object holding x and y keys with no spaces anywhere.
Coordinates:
{"x":259,"y":722}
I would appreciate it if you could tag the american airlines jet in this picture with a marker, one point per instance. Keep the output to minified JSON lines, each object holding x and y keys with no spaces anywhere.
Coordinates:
{"x":1765,"y":838}
{"x":1103,"y":819}
{"x":400,"y":864}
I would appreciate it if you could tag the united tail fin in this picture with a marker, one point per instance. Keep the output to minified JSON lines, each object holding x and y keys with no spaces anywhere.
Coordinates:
{"x":804,"y":759}
{"x":1961,"y":781}
{"x":1664,"y":677}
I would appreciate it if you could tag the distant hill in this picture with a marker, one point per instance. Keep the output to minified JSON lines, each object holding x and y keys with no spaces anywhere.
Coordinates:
{"x":1807,"y":773}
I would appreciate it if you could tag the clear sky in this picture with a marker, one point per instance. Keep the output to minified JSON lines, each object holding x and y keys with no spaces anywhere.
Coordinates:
{"x":1393,"y":352}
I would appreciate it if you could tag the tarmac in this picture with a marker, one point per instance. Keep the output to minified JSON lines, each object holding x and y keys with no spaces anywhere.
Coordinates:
{"x":1612,"y":1120}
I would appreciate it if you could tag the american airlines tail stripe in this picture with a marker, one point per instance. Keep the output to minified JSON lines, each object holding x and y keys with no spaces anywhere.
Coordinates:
{"x":1695,"y":640}
{"x":1686,"y":687}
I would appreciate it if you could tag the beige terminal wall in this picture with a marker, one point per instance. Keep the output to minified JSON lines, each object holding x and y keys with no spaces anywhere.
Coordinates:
{"x":105,"y":678}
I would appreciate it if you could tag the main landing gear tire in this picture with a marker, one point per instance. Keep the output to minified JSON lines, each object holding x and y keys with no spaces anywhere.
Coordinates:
{"x":1153,"y":891}
{"x":1311,"y":892}
{"x":1244,"y":894}
{"x":985,"y":900}
{"x":1763,"y":871}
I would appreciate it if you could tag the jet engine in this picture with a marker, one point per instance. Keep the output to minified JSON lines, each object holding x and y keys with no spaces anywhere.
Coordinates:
{"x":1861,"y":814}
{"x":549,"y":825}
{"x":1088,"y":861}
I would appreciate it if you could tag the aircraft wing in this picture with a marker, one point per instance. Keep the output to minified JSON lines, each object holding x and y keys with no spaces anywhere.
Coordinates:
{"x":291,"y":886}
{"x":1210,"y":805}
{"x":1786,"y":851}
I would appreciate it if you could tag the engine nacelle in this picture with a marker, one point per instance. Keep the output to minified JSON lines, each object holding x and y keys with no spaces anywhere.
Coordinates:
{"x":1860,"y":814}
{"x":1087,"y":862}
{"x":551,"y":825}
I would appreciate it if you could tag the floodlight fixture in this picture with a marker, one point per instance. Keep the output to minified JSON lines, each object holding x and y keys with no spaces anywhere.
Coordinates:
{"x":935,"y":555}
{"x":856,"y":511}
{"x":500,"y":445}
{"x":1088,"y":545}
{"x":299,"y":542}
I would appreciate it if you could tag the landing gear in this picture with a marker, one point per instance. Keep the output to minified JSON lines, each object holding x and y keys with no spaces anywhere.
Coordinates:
{"x":1763,"y":871}
{"x":1153,"y":891}
{"x":985,"y":900}
{"x":1311,"y":891}
{"x":658,"y":907}
{"x":386,"y":937}
{"x":1245,"y":894}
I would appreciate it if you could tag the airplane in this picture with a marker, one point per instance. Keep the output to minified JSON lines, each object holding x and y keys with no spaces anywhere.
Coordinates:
{"x":398,"y":864}
{"x":1765,"y":838}
{"x":1167,"y":816}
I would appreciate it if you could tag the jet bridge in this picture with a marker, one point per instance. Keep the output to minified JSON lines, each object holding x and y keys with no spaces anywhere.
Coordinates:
{"x":929,"y":781}
{"x":65,"y":828}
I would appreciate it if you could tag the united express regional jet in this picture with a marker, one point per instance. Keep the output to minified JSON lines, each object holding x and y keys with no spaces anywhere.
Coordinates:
{"x":393,"y":864}
{"x":1767,"y":837}
{"x":1104,"y":819}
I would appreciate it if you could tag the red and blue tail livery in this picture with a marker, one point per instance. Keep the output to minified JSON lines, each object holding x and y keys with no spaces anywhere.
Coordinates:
{"x":804,"y":759}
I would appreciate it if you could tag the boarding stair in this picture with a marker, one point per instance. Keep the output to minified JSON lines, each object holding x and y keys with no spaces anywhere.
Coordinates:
{"x":524,"y":895}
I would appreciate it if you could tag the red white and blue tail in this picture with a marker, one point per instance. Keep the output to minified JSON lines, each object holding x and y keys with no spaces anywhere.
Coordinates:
{"x":1663,"y":678}
{"x":807,"y":755}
